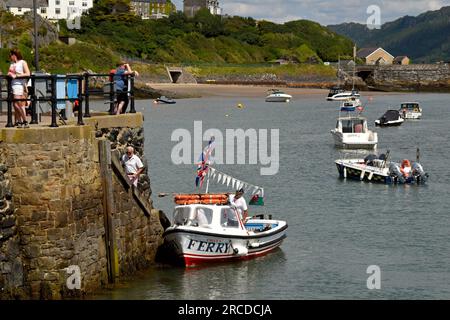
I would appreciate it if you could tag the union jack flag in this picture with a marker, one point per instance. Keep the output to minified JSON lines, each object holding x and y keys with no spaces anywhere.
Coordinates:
{"x":204,"y":161}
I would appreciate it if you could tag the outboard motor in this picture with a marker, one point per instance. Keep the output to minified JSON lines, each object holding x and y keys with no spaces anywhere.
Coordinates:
{"x":419,"y":174}
{"x":394,"y":170}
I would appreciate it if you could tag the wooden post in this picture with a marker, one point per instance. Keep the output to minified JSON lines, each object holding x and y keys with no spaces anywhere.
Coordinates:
{"x":108,"y":208}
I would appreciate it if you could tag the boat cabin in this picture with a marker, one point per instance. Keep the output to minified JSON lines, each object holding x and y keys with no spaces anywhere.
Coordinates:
{"x":351,"y":125}
{"x":206,"y":216}
{"x":410,"y":107}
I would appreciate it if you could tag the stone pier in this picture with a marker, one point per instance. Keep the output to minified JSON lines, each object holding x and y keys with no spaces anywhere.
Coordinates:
{"x":52,"y":206}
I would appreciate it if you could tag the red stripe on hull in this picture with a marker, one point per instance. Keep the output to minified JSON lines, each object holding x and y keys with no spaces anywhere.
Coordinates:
{"x":192,"y":260}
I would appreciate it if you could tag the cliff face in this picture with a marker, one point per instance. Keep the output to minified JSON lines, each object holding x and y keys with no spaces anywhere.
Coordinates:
{"x":53,"y":231}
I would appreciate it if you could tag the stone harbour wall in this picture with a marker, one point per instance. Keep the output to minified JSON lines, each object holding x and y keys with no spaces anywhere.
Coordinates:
{"x":52,"y":214}
{"x":425,"y":77}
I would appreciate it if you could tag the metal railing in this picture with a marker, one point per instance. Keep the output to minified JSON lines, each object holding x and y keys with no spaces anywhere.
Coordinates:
{"x":85,"y":90}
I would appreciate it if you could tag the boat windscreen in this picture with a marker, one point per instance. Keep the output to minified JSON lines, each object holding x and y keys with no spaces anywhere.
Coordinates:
{"x":409,"y":106}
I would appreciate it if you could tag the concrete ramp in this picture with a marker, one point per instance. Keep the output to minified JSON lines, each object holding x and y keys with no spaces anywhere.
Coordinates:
{"x":179,"y":75}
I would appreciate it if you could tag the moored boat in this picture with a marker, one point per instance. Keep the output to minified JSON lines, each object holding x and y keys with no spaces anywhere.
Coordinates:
{"x":351,"y":131}
{"x":389,"y":119}
{"x":382,"y":170}
{"x":410,"y":110}
{"x":164,"y":99}
{"x":276,"y":95}
{"x":205,"y":233}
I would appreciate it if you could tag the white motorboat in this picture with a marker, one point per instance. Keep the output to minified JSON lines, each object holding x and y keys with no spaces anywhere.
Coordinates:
{"x":206,"y":230}
{"x":351,"y":131}
{"x":390,"y":118}
{"x":344,"y":95}
{"x":411,"y":110}
{"x":382,"y":170}
{"x":275,"y":95}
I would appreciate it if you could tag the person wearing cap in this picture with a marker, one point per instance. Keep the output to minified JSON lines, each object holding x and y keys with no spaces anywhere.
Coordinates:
{"x":238,"y":201}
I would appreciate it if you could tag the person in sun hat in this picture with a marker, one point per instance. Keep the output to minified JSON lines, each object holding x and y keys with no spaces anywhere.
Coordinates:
{"x":237,"y":200}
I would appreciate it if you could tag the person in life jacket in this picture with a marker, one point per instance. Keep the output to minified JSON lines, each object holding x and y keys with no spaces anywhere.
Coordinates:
{"x":405,"y":168}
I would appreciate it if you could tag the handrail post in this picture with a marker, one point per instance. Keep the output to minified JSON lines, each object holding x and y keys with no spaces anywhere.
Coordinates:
{"x":112,"y":94}
{"x":9,"y":123}
{"x":80,"y":101}
{"x":131,"y":92}
{"x":86,"y":95}
{"x":54,"y":102}
{"x":34,"y":118}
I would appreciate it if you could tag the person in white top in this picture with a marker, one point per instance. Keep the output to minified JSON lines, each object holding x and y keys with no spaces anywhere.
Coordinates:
{"x":238,"y":201}
{"x":19,"y":72}
{"x":133,"y":165}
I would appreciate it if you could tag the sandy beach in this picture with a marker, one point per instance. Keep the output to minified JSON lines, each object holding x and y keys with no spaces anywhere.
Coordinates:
{"x":250,"y":91}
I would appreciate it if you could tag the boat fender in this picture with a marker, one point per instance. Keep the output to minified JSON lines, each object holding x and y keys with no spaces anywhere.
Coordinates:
{"x":238,"y":250}
{"x":253,"y":245}
{"x":370,"y":176}
{"x":363,"y":173}
{"x":345,"y":172}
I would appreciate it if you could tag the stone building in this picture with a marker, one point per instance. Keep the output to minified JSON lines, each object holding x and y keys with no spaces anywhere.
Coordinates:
{"x":192,"y":6}
{"x":402,"y":60}
{"x":375,"y":56}
{"x":153,"y":9}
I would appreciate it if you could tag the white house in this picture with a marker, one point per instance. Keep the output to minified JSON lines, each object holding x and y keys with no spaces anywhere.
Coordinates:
{"x":51,"y":9}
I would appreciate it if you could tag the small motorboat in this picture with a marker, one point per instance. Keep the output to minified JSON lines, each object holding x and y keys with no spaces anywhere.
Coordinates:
{"x":344,"y":95}
{"x":381,"y":169}
{"x":164,"y":99}
{"x":351,"y":131}
{"x":275,"y":95}
{"x":204,"y":230}
{"x":389,"y":119}
{"x":410,"y":110}
{"x":334,"y":91}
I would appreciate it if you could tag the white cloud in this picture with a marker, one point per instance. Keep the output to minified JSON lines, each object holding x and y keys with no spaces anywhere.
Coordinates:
{"x":325,"y":11}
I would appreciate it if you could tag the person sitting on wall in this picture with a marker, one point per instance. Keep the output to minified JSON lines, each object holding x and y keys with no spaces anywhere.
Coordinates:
{"x":133,"y":165}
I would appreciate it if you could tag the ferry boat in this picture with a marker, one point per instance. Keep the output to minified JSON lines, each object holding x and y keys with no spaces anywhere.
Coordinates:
{"x":351,"y":131}
{"x":276,"y":95}
{"x":204,"y":230}
{"x":411,"y":110}
{"x":382,"y":170}
{"x":390,"y":118}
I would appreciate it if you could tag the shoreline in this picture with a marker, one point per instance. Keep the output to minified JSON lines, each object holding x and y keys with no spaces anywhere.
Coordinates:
{"x":181,"y":91}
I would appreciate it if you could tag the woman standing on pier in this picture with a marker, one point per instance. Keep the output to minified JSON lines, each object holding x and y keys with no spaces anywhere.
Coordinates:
{"x":19,"y":72}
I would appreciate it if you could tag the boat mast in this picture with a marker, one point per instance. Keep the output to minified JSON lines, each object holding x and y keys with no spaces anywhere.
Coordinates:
{"x":339,"y":72}
{"x":354,"y":67}
{"x":207,"y":179}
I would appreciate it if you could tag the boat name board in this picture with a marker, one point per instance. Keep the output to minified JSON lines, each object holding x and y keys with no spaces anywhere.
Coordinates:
{"x":208,"y":246}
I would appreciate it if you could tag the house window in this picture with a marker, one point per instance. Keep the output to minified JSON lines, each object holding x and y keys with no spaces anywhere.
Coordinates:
{"x":57,"y":2}
{"x":57,"y":11}
{"x":71,"y":3}
{"x":19,"y":9}
{"x":84,"y":4}
{"x":43,"y":10}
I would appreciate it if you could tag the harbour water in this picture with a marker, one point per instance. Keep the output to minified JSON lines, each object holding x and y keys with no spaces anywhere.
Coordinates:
{"x":337,"y":228}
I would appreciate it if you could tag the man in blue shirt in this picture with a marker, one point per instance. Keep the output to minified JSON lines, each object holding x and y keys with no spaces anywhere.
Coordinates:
{"x":123,"y":69}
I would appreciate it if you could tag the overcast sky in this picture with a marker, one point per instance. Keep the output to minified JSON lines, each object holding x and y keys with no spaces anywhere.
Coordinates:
{"x":325,"y":11}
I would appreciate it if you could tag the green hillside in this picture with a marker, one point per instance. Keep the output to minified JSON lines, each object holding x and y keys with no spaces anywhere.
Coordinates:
{"x":425,"y":38}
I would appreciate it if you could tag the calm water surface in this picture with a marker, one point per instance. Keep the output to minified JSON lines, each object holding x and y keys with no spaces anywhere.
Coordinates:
{"x":336,"y":228}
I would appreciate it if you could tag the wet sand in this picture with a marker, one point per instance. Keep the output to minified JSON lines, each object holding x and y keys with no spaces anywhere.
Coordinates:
{"x":250,"y":91}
